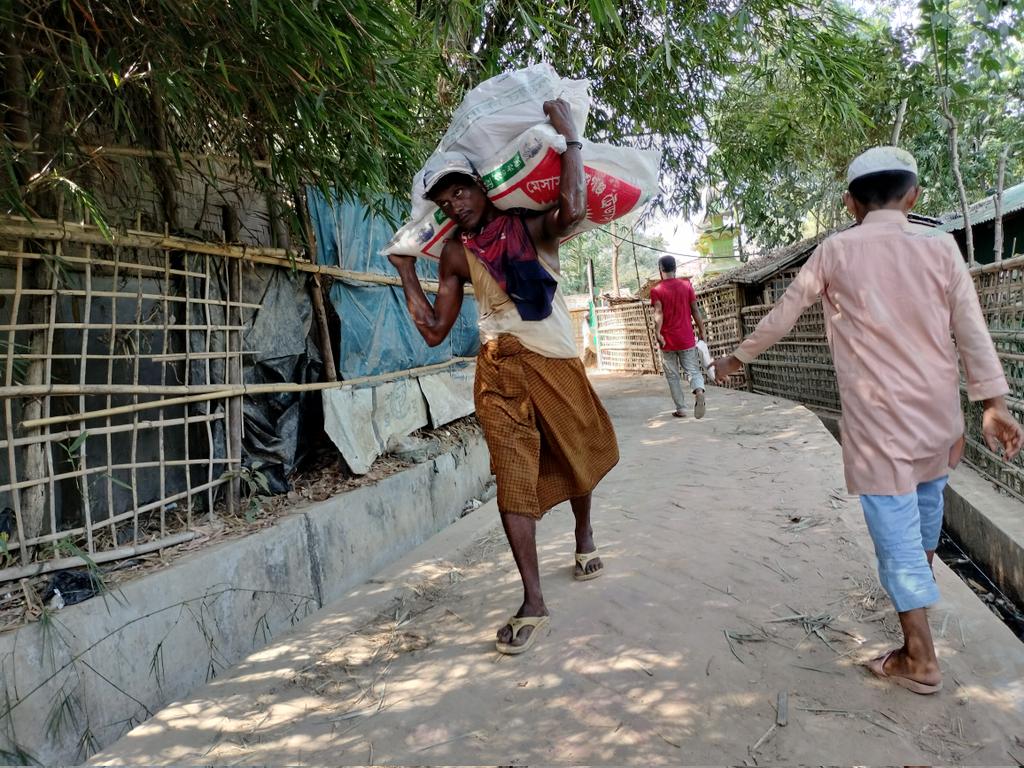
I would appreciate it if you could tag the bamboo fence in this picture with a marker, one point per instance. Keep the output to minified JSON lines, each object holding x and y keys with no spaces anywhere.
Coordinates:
{"x":124,"y":375}
{"x":626,"y":339}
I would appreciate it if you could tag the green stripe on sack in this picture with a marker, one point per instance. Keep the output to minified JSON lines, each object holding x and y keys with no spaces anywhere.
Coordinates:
{"x":504,"y":172}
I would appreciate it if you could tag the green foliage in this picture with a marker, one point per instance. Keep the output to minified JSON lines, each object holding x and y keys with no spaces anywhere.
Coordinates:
{"x":781,"y":156}
{"x":335,"y":91}
{"x":657,"y":67}
{"x":255,"y":487}
{"x":597,"y":245}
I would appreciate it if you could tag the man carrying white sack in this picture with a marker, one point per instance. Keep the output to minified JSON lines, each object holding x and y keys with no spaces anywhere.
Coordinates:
{"x":549,"y":437}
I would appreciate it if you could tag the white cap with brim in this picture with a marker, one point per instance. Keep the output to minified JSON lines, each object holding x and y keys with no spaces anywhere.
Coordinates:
{"x":881,"y":160}
{"x":444,"y":164}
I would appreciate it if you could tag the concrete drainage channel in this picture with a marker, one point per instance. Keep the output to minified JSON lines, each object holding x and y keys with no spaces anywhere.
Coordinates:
{"x":982,"y":540}
{"x":78,"y":681}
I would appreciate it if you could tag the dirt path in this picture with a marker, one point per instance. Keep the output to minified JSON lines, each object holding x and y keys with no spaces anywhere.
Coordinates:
{"x":738,"y":570}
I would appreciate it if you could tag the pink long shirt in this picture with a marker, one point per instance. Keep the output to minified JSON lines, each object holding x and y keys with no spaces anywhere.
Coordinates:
{"x":892,"y":291}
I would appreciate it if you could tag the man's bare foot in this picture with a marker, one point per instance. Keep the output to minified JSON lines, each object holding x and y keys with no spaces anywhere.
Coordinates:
{"x":679,"y":414}
{"x":505,"y":633}
{"x":699,"y":405}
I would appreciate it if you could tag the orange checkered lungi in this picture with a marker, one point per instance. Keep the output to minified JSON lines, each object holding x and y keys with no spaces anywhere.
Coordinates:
{"x":549,"y":436}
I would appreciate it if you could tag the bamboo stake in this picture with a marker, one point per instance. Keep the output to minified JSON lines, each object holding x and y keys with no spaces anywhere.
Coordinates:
{"x":317,"y":294}
{"x":82,"y":369}
{"x":145,"y":508}
{"x":70,"y":261}
{"x":111,"y":295}
{"x":256,"y":389}
{"x":140,"y":326}
{"x":110,"y":381}
{"x":234,"y":377}
{"x":12,"y":464}
{"x":133,"y":471}
{"x":112,"y":429}
{"x":204,"y":260}
{"x":277,"y":257}
{"x":165,"y":333}
{"x":47,"y":406}
{"x":38,"y":569}
{"x":210,"y":445}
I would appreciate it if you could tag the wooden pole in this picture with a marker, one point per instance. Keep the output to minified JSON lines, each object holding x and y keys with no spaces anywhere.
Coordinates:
{"x":48,"y":566}
{"x":251,"y":389}
{"x":316,"y":292}
{"x":234,"y":379}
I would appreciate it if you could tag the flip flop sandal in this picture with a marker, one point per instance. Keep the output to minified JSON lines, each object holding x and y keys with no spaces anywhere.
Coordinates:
{"x":581,"y":560}
{"x":679,"y":414}
{"x":537,"y":623}
{"x":877,"y":668}
{"x":700,"y":406}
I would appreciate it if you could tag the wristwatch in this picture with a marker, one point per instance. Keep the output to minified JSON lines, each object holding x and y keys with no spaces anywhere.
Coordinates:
{"x":577,"y":144}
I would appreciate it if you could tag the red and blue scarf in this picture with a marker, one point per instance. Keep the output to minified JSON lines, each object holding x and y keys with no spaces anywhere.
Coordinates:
{"x":506,"y":250}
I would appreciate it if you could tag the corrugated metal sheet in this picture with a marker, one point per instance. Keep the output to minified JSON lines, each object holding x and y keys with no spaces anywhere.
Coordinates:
{"x":985,"y":210}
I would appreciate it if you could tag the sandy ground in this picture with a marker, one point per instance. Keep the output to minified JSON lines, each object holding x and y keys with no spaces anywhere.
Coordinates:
{"x":738,"y":574}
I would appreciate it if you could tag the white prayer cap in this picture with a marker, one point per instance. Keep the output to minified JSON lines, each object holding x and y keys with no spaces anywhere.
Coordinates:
{"x":444,"y":164}
{"x":879,"y":160}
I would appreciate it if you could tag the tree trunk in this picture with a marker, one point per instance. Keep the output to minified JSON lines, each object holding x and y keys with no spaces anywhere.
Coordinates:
{"x":954,"y":159}
{"x":166,"y":182}
{"x":1000,"y":182}
{"x":901,"y":113}
{"x":32,"y":501}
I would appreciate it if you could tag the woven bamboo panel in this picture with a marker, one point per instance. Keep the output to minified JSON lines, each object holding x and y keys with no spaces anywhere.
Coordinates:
{"x":1001,"y":295}
{"x":719,"y":348}
{"x":777,"y":285}
{"x":800,"y":366}
{"x":722,"y":302}
{"x":800,"y":371}
{"x":626,"y":338}
{"x":723,"y":328}
{"x":810,"y":325}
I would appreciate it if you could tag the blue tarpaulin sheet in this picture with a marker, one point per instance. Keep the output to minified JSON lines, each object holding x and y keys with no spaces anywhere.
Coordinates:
{"x":377,"y":334}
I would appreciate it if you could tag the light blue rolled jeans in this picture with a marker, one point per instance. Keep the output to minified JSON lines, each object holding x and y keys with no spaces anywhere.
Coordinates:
{"x":903,"y":528}
{"x":682,"y":360}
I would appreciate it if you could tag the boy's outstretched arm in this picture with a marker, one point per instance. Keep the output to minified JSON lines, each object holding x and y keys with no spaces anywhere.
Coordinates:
{"x":986,"y":381}
{"x":802,"y":292}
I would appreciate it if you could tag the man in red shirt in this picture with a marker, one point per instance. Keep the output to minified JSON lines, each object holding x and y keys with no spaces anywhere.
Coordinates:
{"x":675,"y":303}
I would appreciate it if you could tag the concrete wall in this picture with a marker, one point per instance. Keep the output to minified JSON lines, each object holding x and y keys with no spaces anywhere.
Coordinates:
{"x":990,"y":527}
{"x":83,"y":678}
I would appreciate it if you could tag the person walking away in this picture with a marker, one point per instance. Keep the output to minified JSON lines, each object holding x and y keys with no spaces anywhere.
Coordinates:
{"x":675,"y":312}
{"x":891,"y":292}
{"x":549,"y":437}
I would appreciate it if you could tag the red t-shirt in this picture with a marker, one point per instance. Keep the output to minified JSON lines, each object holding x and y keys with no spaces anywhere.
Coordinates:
{"x":675,"y":296}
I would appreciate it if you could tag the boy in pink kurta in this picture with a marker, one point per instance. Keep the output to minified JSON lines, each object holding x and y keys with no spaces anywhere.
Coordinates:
{"x":892,"y":291}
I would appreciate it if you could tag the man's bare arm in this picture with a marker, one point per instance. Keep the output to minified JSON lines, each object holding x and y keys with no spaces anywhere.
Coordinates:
{"x":698,"y":318}
{"x":659,"y":319}
{"x":435,"y":321}
{"x":572,"y":199}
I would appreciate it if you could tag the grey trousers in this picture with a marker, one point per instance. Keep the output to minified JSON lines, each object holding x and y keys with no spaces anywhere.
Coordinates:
{"x":684,"y":360}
